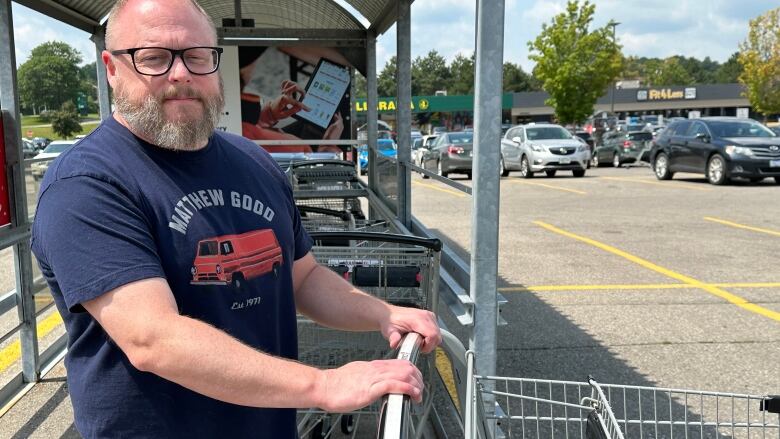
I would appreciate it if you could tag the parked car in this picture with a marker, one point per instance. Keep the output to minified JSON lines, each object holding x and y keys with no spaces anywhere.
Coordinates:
{"x":386,"y":147}
{"x":718,"y":147}
{"x":547,"y":148}
{"x":450,"y":152}
{"x":51,"y":152}
{"x":419,"y":149}
{"x":439,"y":130}
{"x":775,"y":130}
{"x":41,"y":142}
{"x":29,"y":149}
{"x":622,"y":147}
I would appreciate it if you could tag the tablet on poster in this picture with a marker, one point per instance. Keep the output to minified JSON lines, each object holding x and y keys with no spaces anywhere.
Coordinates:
{"x":324,"y":91}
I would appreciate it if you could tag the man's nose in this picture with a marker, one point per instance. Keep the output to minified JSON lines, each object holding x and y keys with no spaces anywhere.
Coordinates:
{"x":179,"y":72}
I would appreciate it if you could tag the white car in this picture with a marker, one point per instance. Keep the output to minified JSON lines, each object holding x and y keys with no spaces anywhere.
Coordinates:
{"x":543,"y":147}
{"x":52,"y":151}
{"x":419,"y":148}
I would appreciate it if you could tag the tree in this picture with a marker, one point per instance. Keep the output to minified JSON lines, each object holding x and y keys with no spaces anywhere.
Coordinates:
{"x":760,"y":59}
{"x":66,"y":121}
{"x":667,"y":72}
{"x":729,"y":71}
{"x":516,"y":80}
{"x":462,"y":75}
{"x":429,"y":74}
{"x":386,"y":82}
{"x":50,"y":77}
{"x":575,"y":65}
{"x":361,"y":86}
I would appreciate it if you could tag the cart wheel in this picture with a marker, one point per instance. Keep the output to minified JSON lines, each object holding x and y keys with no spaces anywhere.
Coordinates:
{"x":320,"y":429}
{"x":347,"y":424}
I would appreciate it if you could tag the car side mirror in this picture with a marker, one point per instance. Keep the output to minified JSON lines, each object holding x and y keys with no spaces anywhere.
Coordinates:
{"x":517,"y":139}
{"x":703,"y":137}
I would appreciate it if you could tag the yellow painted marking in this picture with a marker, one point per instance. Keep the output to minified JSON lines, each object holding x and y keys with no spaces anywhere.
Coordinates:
{"x":742,"y":226}
{"x":709,"y":288}
{"x":445,"y":371}
{"x":657,"y":183}
{"x":549,"y":186}
{"x":448,"y":191}
{"x":13,"y":352}
{"x":624,"y":287}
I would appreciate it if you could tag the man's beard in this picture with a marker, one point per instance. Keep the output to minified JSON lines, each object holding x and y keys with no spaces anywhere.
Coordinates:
{"x":147,"y":117}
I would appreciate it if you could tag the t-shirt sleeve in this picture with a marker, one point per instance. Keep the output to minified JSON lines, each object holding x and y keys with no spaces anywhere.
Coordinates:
{"x":303,"y":241}
{"x":93,"y":238}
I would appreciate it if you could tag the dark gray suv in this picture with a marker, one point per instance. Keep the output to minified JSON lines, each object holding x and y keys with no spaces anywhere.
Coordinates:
{"x":718,"y":147}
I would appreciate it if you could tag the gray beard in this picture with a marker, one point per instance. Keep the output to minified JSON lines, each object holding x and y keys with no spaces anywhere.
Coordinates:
{"x":147,"y":120}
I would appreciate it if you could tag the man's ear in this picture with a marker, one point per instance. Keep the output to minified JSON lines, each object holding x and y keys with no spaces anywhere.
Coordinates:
{"x":110,"y":66}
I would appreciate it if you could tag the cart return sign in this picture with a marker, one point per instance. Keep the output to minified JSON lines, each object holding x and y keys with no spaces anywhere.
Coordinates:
{"x":431,"y":104}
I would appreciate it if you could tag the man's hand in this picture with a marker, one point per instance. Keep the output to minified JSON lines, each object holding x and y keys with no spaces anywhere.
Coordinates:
{"x":401,"y":320}
{"x":358,"y":384}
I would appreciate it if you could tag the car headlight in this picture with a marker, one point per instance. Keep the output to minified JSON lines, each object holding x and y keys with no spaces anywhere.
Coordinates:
{"x":193,"y":270}
{"x":219,"y":269}
{"x":582,"y":148}
{"x":739,"y":150}
{"x":537,"y":148}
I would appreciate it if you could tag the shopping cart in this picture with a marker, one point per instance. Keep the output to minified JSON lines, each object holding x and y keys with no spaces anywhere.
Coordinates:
{"x":402,"y":270}
{"x":328,"y":184}
{"x":320,"y":219}
{"x":533,"y":408}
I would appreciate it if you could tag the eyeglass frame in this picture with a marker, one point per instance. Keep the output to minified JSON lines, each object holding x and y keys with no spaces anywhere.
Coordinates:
{"x":174,"y":53}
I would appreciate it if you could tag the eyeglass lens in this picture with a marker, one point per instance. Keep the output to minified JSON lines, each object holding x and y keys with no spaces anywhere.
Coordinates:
{"x":153,"y":61}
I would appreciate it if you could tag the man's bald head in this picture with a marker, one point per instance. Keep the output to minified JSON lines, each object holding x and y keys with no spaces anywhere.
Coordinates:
{"x":114,"y":15}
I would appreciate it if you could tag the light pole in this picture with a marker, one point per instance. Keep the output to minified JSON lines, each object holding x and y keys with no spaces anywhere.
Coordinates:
{"x":614,"y":24}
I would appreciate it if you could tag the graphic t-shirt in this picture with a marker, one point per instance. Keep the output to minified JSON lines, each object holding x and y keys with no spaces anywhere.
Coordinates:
{"x":219,"y":224}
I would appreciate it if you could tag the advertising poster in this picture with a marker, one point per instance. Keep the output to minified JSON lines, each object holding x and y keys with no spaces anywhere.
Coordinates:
{"x":294,"y":93}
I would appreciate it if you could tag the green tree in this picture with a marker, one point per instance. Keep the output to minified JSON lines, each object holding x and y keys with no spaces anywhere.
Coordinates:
{"x":462,"y":75}
{"x":50,"y":77}
{"x":66,"y":121}
{"x":729,"y":71}
{"x":386,"y":82}
{"x":760,"y":58}
{"x":667,"y":72}
{"x":361,"y":85}
{"x":574,"y":64}
{"x":429,"y":74}
{"x":516,"y":80}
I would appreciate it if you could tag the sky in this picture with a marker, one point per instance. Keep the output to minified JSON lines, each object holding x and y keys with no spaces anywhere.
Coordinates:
{"x":651,"y":28}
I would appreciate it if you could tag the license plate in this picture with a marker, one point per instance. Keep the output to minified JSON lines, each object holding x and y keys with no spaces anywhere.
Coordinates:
{"x":774,"y":163}
{"x":565,"y":161}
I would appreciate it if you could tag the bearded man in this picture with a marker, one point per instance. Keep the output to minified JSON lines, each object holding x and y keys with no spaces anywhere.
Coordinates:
{"x":129,"y":215}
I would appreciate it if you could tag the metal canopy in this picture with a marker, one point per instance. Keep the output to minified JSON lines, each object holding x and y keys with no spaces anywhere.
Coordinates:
{"x":267,"y":14}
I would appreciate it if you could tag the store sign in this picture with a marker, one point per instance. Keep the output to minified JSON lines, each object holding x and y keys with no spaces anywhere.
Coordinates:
{"x":665,"y":94}
{"x":5,"y":208}
{"x":422,"y":104}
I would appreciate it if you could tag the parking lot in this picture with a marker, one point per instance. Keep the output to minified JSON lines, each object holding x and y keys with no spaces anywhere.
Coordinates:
{"x":630,"y":279}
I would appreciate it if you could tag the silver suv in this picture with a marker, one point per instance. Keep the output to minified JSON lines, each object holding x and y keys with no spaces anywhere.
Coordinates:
{"x":542,"y":147}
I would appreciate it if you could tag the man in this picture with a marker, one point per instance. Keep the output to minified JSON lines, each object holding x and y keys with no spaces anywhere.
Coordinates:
{"x":122,"y":216}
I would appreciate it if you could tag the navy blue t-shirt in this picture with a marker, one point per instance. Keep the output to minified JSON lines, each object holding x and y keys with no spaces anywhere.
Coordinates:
{"x":219,"y":224}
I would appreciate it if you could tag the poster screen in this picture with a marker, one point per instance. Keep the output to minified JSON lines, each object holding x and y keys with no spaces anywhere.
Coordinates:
{"x":324,"y":92}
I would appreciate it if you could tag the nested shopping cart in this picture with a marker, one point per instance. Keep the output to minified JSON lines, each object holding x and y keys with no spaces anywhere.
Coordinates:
{"x":402,"y":270}
{"x":534,"y":408}
{"x":320,"y":219}
{"x":330,"y":184}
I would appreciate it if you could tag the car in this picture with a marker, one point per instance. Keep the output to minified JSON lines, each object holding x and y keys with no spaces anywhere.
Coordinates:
{"x":41,"y":142}
{"x":775,"y":130}
{"x":622,"y":147}
{"x":29,"y":149}
{"x":386,"y":147}
{"x":721,"y":148}
{"x":439,"y":130}
{"x":545,"y":147}
{"x":419,"y":148}
{"x":55,"y":148}
{"x":450,"y":153}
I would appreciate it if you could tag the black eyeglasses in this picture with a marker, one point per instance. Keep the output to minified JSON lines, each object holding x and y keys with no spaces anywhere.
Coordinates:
{"x":156,"y":61}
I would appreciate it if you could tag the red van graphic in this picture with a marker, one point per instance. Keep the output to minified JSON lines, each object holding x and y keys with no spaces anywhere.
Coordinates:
{"x":234,"y":259}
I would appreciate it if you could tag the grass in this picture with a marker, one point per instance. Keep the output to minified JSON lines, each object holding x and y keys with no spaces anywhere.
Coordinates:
{"x":46,"y":131}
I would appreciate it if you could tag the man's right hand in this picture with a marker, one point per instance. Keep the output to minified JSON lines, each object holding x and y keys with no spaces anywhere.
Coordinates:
{"x":358,"y":384}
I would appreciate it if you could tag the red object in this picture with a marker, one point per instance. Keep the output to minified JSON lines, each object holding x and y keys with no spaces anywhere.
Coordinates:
{"x":452,"y":149}
{"x":234,"y":259}
{"x":627,"y":144}
{"x":5,"y":206}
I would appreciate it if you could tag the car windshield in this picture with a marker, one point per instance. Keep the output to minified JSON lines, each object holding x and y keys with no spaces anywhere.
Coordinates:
{"x":385,"y":144}
{"x":640,"y":136}
{"x":57,"y":147}
{"x":738,"y":129}
{"x":461,"y":138}
{"x":207,"y":248}
{"x":547,"y":133}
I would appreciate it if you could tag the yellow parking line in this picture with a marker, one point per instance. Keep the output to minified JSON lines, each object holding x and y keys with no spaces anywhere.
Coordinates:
{"x":13,"y":352}
{"x":630,"y":287}
{"x":741,"y":226}
{"x":715,"y":291}
{"x":549,"y":186}
{"x":448,"y":191}
{"x":657,"y":183}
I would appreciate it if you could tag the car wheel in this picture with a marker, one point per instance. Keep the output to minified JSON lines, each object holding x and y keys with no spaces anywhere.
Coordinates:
{"x":661,"y":167}
{"x":550,"y":173}
{"x":439,"y":169}
{"x":578,"y":172}
{"x":502,"y":168}
{"x":777,"y":180}
{"x":594,"y":161}
{"x":238,"y":281}
{"x":716,"y":170}
{"x":616,"y":160}
{"x":525,"y":168}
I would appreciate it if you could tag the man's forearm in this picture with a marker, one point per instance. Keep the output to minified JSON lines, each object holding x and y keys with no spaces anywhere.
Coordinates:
{"x":208,"y":361}
{"x":328,"y":299}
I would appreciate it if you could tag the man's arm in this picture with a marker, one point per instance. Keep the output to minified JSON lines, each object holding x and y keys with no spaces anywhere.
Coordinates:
{"x":328,"y":299}
{"x":142,"y":318}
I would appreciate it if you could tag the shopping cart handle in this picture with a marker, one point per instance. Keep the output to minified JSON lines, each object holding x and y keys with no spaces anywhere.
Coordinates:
{"x":431,"y":243}
{"x":341,"y":214}
{"x":313,"y":162}
{"x":395,"y":406}
{"x":771,"y":404}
